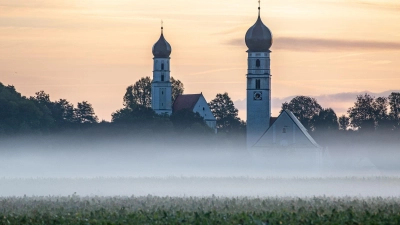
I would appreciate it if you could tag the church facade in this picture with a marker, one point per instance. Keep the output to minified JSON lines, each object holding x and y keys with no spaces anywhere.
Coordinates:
{"x":284,"y":133}
{"x":161,"y":87}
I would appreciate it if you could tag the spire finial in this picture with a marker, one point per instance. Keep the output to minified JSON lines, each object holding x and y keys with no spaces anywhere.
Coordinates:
{"x":162,"y":26}
{"x":259,"y":7}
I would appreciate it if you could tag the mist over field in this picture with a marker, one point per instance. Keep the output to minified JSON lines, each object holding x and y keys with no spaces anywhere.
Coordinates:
{"x":189,"y":165}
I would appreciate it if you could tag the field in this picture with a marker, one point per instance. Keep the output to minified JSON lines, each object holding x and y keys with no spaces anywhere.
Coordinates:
{"x":200,"y":200}
{"x":198,"y":210}
{"x":204,"y":186}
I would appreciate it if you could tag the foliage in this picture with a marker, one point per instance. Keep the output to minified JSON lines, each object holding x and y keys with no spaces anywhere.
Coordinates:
{"x":326,"y":120}
{"x":177,"y":88}
{"x":140,"y":92}
{"x":369,"y":113}
{"x":344,"y":122}
{"x":134,"y":114}
{"x":19,"y":114}
{"x":197,"y":210}
{"x":304,"y":108}
{"x":394,"y":103}
{"x":225,"y":113}
{"x":84,"y":113}
{"x":185,"y":119}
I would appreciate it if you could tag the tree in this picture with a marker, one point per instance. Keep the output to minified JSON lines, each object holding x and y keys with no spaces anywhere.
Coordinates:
{"x":369,"y":113}
{"x":66,"y":110}
{"x":19,"y":114}
{"x":381,"y":116}
{"x":177,"y":88}
{"x":140,"y":92}
{"x":394,"y":103}
{"x":344,"y":122}
{"x":362,"y":114}
{"x":84,"y":113}
{"x":326,"y":120}
{"x":225,"y":113}
{"x":136,"y":114}
{"x":304,"y":108}
{"x":185,"y":118}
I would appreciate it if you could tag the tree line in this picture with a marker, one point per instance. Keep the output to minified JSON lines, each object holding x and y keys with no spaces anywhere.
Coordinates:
{"x":20,"y":114}
{"x":367,"y":114}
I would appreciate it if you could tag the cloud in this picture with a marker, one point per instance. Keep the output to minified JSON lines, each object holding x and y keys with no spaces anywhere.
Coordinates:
{"x":315,"y":44}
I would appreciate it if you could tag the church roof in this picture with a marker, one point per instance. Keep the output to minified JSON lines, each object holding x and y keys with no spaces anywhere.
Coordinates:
{"x":302,"y":128}
{"x":186,"y":102}
{"x":162,"y":49}
{"x":296,"y":122}
{"x":259,"y":37}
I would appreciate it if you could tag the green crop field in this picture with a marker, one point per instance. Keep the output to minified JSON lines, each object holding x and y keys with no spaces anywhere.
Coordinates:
{"x":74,"y":209}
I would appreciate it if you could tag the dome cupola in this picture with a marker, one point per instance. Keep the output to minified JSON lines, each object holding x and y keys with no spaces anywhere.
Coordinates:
{"x":258,"y":37}
{"x":162,"y":49}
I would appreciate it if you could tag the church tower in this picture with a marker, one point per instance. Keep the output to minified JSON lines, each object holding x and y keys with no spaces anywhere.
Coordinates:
{"x":259,"y":41}
{"x":161,"y":91}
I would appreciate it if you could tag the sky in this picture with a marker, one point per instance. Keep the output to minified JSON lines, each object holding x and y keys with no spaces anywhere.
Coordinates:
{"x":91,"y":50}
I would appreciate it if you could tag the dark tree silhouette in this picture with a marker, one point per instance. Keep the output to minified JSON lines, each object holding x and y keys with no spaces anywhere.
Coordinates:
{"x":84,"y":113}
{"x":326,"y":120}
{"x":394,"y":103}
{"x":185,"y":118}
{"x":177,"y":88}
{"x":304,"y":108}
{"x":19,"y":114}
{"x":225,"y":113}
{"x":135,"y":115}
{"x":344,"y":122}
{"x":362,"y":114}
{"x":140,"y":92}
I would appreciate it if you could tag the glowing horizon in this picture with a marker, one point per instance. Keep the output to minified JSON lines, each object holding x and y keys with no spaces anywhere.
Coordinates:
{"x":91,"y":50}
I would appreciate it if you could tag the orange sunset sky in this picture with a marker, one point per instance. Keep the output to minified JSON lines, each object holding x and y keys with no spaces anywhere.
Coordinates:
{"x":91,"y":50}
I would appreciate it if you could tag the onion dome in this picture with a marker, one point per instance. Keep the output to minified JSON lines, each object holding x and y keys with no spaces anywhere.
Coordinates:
{"x":259,"y":37}
{"x":162,"y":49}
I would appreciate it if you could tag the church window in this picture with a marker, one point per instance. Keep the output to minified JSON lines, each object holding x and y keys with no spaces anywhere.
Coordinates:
{"x":162,"y":66}
{"x":203,"y":108}
{"x":284,"y":130}
{"x":258,"y":63}
{"x":162,"y":92}
{"x":162,"y":77}
{"x":257,"y":84}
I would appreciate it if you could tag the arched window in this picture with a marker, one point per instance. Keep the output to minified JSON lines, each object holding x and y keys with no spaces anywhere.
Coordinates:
{"x":258,"y":84}
{"x":162,"y":66}
{"x":162,"y":77}
{"x":284,"y":130}
{"x":258,"y":63}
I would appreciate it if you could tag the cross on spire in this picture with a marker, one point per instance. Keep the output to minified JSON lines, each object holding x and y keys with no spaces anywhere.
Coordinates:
{"x":259,"y":7}
{"x":162,"y":26}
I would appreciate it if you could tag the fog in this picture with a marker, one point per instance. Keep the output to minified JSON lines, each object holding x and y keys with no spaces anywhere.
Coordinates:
{"x":45,"y":165}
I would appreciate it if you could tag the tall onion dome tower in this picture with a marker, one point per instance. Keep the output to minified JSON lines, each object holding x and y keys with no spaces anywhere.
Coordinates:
{"x":161,"y":91}
{"x":259,"y":41}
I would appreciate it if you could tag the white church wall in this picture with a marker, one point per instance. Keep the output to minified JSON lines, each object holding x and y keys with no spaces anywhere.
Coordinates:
{"x":285,"y":133}
{"x":204,"y":110}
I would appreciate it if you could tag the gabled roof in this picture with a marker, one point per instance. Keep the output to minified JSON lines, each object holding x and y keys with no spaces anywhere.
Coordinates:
{"x":302,"y":128}
{"x":186,"y":102}
{"x":295,"y":121}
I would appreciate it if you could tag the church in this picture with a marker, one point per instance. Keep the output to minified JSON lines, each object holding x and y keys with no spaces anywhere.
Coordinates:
{"x":266,"y":134}
{"x":161,"y":88}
